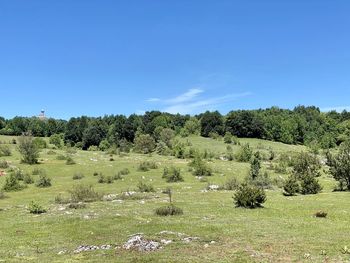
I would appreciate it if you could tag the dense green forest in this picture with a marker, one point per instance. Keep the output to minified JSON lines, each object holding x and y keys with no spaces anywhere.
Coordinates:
{"x":302,"y":125}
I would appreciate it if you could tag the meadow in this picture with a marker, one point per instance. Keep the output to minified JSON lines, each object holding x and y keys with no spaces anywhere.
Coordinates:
{"x":284,"y":230}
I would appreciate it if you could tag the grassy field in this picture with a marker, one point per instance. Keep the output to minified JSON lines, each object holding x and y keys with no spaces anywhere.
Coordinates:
{"x":285,"y":230}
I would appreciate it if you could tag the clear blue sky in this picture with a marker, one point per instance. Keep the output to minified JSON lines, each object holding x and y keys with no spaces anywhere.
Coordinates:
{"x":101,"y":57}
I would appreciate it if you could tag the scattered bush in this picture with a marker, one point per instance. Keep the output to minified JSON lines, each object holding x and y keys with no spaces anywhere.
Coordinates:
{"x":28,"y":149}
{"x":117,"y":176}
{"x":2,"y":195}
{"x":144,"y":143}
{"x":12,"y":183}
{"x":101,"y":179}
{"x":145,"y":188}
{"x":255,"y":166}
{"x":231,"y":184}
{"x":84,"y":193}
{"x":172,"y":174}
{"x":95,"y":174}
{"x":310,"y":185}
{"x":3,"y":164}
{"x":146,"y":166}
{"x":262,"y":181}
{"x":59,"y":199}
{"x":70,"y":161}
{"x":43,"y":181}
{"x":5,"y":150}
{"x":200,"y":168}
{"x":244,"y":154}
{"x":79,"y":205}
{"x":27,"y":179}
{"x":291,"y":186}
{"x":228,"y":137}
{"x":61,"y":157}
{"x":306,"y":164}
{"x":40,"y":143}
{"x":124,"y":171}
{"x":248,"y":196}
{"x":340,"y":166}
{"x":169,"y":210}
{"x":78,"y":176}
{"x":37,"y":171}
{"x":320,"y":213}
{"x":35,"y":208}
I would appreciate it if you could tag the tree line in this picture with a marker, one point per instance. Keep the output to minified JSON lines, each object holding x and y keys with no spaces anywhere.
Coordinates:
{"x":302,"y":125}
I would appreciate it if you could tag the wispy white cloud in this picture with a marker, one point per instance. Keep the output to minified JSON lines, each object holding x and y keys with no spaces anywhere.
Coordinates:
{"x":153,"y":99}
{"x":203,"y":104}
{"x":194,"y":100}
{"x":337,"y":108}
{"x":187,"y":96}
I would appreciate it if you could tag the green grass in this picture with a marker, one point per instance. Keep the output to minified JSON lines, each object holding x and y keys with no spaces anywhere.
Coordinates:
{"x":283,"y":231}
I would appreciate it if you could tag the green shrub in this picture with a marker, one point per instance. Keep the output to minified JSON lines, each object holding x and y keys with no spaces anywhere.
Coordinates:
{"x":18,"y":174}
{"x":228,"y":137}
{"x":28,"y":149}
{"x":61,"y":157}
{"x":101,"y":179}
{"x":172,"y":174}
{"x":169,"y":210}
{"x":145,"y":188}
{"x":146,"y":166}
{"x":84,"y":193}
{"x":70,"y":161}
{"x":108,"y":179}
{"x":255,"y":166}
{"x":262,"y":180}
{"x":59,"y":199}
{"x":12,"y":184}
{"x":200,"y":168}
{"x":40,"y":143}
{"x":35,"y":208}
{"x":321,"y":214}
{"x":306,"y":164}
{"x":249,"y":196}
{"x":95,"y":174}
{"x":2,"y":195}
{"x":291,"y":186}
{"x":27,"y":179}
{"x":79,"y":205}
{"x":5,"y":150}
{"x":231,"y":184}
{"x":3,"y":164}
{"x":37,"y":171}
{"x":124,"y":171}
{"x":117,"y":176}
{"x":244,"y":154}
{"x":43,"y":181}
{"x":310,"y":185}
{"x":78,"y":176}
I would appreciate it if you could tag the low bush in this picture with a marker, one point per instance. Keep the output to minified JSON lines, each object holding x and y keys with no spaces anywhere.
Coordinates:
{"x":12,"y":184}
{"x":291,"y":186}
{"x":172,"y":174}
{"x":244,"y":154}
{"x":35,"y":208}
{"x":231,"y":184}
{"x":43,"y":181}
{"x":61,"y":157}
{"x":79,"y":205}
{"x":27,"y":179}
{"x":117,"y":176}
{"x":145,"y":188}
{"x":5,"y":150}
{"x":3,"y":164}
{"x":249,"y":196}
{"x":37,"y":171}
{"x":84,"y":193}
{"x":169,"y":210}
{"x":78,"y":176}
{"x":70,"y":161}
{"x":310,"y":185}
{"x":124,"y":171}
{"x":59,"y":199}
{"x":200,"y":168}
{"x":146,"y":166}
{"x":321,"y":213}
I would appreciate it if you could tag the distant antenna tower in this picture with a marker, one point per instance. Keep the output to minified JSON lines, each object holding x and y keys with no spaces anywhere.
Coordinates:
{"x":42,"y":115}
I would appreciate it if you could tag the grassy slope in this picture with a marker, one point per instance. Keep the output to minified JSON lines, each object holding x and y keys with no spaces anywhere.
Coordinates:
{"x":283,"y":231}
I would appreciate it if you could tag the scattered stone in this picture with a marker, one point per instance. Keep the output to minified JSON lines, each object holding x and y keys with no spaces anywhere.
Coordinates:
{"x":85,"y":248}
{"x":212,"y":242}
{"x":213,"y":187}
{"x":139,"y":243}
{"x":62,"y":252}
{"x":142,"y":202}
{"x":206,"y":245}
{"x":110,"y":197}
{"x":167,"y":232}
{"x":165,"y":242}
{"x":190,"y":239}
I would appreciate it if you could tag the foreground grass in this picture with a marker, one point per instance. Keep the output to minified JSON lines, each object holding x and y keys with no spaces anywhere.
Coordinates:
{"x":283,"y":231}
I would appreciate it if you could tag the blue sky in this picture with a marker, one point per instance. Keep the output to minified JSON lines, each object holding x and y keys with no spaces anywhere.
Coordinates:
{"x":109,"y":57}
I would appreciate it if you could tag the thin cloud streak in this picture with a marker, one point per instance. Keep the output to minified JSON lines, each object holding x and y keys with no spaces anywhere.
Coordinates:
{"x":337,"y":109}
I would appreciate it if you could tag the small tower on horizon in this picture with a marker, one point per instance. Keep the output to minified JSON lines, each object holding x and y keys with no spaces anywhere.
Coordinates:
{"x":42,"y":115}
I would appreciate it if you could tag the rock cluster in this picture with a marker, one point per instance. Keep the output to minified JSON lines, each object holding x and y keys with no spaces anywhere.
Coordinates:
{"x":84,"y":248}
{"x":139,"y":243}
